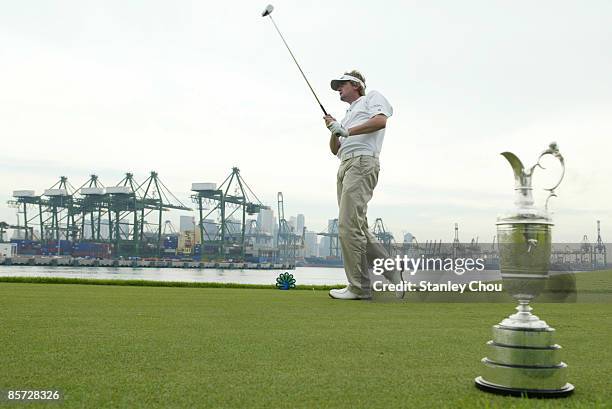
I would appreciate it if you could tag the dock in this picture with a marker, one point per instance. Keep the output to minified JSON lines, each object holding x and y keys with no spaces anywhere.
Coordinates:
{"x":67,"y":261}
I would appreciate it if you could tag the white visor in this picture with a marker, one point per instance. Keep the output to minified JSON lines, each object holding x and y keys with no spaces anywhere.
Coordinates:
{"x":337,"y":82}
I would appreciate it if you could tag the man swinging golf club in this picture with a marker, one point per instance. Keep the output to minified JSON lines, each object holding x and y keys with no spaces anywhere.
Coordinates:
{"x":357,"y":141}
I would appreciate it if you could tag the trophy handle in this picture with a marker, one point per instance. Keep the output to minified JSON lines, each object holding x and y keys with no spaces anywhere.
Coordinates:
{"x":553,"y":150}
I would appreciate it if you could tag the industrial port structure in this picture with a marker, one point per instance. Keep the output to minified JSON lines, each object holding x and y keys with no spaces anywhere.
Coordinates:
{"x":233,"y":196}
{"x":65,"y":216}
{"x":582,"y":256}
{"x":126,"y":221}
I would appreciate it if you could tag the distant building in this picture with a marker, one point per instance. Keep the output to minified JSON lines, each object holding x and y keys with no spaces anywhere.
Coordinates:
{"x":187,"y":223}
{"x":311,"y":245}
{"x":324,"y":247}
{"x":300,"y":223}
{"x":293,"y":224}
{"x":266,"y":221}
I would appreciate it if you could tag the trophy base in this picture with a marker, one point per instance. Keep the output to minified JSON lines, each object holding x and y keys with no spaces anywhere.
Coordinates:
{"x":523,"y":359}
{"x":563,"y":392}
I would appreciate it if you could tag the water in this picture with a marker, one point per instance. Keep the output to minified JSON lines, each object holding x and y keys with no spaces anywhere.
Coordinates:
{"x":303,"y":275}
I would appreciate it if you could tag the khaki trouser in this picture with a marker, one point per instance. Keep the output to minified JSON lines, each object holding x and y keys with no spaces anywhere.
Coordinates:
{"x":357,"y":178}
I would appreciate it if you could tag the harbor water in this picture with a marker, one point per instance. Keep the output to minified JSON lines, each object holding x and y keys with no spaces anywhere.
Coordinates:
{"x":303,"y":275}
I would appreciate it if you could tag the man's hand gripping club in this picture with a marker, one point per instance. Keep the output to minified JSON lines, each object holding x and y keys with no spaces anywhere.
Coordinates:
{"x":335,"y":127}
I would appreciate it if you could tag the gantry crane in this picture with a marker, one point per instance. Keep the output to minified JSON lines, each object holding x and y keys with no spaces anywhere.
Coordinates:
{"x":92,"y":204}
{"x":233,"y":196}
{"x":600,"y":248}
{"x":334,"y":242}
{"x":384,"y":237}
{"x":287,"y":240}
{"x":64,"y":212}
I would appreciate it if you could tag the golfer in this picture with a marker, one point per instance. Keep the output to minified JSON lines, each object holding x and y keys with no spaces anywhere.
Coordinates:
{"x":357,"y":141}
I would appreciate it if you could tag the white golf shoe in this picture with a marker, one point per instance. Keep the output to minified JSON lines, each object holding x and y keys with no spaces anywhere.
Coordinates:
{"x":345,"y":294}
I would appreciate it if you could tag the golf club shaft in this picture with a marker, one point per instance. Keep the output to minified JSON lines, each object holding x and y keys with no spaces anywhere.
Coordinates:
{"x":298,"y":65}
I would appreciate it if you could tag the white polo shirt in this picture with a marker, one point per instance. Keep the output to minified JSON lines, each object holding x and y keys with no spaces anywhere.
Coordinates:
{"x":362,"y":109}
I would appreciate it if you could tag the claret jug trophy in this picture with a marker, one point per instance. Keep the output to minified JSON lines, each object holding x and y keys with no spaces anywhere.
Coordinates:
{"x":522,"y":357}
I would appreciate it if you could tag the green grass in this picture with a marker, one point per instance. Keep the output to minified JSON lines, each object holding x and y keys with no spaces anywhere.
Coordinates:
{"x":126,"y":346}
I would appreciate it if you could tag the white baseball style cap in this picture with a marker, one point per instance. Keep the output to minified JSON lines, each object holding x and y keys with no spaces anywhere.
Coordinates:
{"x":337,"y":82}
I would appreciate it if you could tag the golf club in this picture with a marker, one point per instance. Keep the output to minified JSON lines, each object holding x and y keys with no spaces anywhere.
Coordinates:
{"x":268,"y":12}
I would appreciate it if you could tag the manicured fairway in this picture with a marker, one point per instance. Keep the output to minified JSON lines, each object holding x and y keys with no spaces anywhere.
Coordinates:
{"x":118,"y":346}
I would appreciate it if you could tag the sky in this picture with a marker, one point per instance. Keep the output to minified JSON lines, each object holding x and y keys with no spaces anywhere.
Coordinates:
{"x":191,"y":89}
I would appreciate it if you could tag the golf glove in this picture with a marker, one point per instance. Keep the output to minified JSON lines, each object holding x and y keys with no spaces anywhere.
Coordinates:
{"x":338,"y":129}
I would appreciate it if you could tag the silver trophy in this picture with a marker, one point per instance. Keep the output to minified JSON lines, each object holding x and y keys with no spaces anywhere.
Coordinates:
{"x":523,"y":358}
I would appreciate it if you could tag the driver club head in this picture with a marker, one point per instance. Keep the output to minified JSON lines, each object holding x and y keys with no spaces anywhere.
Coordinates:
{"x":267,"y":10}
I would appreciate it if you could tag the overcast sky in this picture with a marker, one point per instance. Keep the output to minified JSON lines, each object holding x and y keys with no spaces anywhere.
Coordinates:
{"x":190,"y":89}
